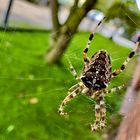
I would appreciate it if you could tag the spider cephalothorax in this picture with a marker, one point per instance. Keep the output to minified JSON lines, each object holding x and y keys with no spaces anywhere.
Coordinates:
{"x":97,"y":73}
{"x":94,"y":79}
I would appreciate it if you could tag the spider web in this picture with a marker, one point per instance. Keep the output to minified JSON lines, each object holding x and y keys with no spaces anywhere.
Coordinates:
{"x":68,"y":82}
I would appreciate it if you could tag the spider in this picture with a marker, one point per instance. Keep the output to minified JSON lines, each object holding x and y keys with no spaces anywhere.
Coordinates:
{"x":94,"y":80}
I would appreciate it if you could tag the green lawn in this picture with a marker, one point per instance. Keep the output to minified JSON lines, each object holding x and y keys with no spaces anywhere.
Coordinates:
{"x":25,"y":76}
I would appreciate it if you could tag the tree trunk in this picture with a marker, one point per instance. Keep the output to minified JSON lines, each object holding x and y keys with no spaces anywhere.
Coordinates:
{"x":130,"y":127}
{"x":67,"y":30}
{"x":55,"y":53}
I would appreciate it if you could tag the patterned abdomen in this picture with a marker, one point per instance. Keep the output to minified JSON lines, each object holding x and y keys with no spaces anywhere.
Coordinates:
{"x":97,"y":74}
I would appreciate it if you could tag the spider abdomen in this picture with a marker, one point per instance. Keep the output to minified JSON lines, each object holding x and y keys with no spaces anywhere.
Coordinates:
{"x":97,"y":73}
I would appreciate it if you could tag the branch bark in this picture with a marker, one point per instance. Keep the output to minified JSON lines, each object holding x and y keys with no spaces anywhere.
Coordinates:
{"x":55,"y":21}
{"x":72,"y":10}
{"x":67,"y":30}
{"x":54,"y":12}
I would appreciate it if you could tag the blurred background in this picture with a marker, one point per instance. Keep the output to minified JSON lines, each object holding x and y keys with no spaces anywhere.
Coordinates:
{"x":37,"y":38}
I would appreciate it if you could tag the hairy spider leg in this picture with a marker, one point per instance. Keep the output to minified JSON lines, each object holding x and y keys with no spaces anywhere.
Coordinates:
{"x":123,"y":66}
{"x":103,"y":112}
{"x":86,"y":60}
{"x":81,"y":88}
{"x":103,"y":107}
{"x":115,"y":89}
{"x":66,"y":100}
{"x":100,"y":108}
{"x":107,"y":91}
{"x":96,"y":124}
{"x":73,"y":71}
{"x":71,"y":89}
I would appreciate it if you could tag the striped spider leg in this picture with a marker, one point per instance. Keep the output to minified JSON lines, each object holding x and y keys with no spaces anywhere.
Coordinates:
{"x":100,"y":112}
{"x":100,"y":108}
{"x":123,"y":66}
{"x":86,"y":59}
{"x":70,"y":96}
{"x":73,"y":91}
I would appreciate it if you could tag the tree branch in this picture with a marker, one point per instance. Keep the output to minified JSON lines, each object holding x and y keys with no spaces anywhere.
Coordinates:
{"x":55,"y":22}
{"x":54,"y":12}
{"x":79,"y":14}
{"x":73,"y":8}
{"x":67,"y":30}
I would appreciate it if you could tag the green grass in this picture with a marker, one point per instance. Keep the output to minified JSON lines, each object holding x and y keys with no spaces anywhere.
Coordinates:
{"x":24,"y":75}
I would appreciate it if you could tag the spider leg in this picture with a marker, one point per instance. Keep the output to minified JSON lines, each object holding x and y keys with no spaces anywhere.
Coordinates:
{"x":71,"y":89}
{"x":107,"y":91}
{"x":99,"y":112}
{"x":73,"y":71}
{"x":96,"y":124}
{"x":67,"y":99}
{"x":103,"y":112}
{"x":100,"y":109}
{"x":78,"y":85}
{"x":86,"y":60}
{"x":103,"y":107}
{"x":132,"y":53}
{"x":115,"y":89}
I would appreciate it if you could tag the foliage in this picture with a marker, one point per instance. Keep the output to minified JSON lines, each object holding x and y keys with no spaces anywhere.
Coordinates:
{"x":127,"y":13}
{"x":24,"y":76}
{"x":103,"y":5}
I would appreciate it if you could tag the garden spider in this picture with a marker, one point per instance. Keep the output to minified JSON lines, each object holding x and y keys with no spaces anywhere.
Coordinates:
{"x":94,"y":80}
